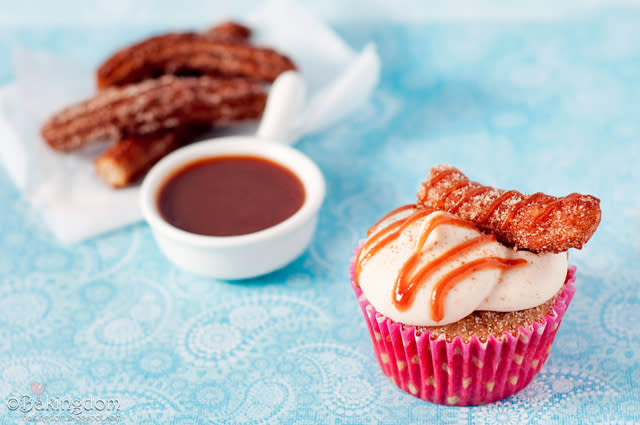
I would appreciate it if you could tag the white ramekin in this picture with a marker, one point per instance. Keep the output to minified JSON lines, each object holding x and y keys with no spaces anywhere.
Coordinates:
{"x":254,"y":254}
{"x":244,"y":256}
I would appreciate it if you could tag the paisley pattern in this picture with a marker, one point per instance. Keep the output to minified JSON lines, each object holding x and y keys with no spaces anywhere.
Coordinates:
{"x":535,"y":106}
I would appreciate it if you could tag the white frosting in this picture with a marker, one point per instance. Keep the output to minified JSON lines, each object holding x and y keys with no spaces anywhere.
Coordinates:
{"x":512,"y":289}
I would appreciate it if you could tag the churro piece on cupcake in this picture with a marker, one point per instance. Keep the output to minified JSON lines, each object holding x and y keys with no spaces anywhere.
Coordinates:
{"x":538,"y":222}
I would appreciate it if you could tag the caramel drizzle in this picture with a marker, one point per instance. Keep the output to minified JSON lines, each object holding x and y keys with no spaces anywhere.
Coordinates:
{"x":465,"y":182}
{"x":552,"y":207}
{"x":435,"y":179}
{"x":470,"y":194}
{"x":405,"y":287}
{"x":376,"y":242}
{"x":443,"y":199}
{"x":495,"y":204}
{"x":389,"y":214}
{"x":517,"y":207}
{"x":452,"y":278}
{"x":408,"y":280}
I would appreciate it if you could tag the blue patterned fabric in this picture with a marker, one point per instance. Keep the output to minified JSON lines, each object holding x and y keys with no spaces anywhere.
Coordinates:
{"x":550,"y":107}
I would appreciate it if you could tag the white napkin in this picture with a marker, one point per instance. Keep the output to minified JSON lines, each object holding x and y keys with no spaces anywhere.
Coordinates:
{"x":73,"y":201}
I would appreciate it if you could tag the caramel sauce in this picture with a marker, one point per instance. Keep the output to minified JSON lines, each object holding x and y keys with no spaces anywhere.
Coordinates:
{"x":392,"y":231}
{"x":448,"y":281}
{"x":518,"y":206}
{"x":470,"y":194}
{"x":435,"y":179}
{"x":549,"y":209}
{"x":230,"y":195}
{"x":389,"y":214}
{"x":494,"y":205}
{"x":452,"y":189}
{"x":408,"y":281}
{"x":405,"y":287}
{"x":371,"y":243}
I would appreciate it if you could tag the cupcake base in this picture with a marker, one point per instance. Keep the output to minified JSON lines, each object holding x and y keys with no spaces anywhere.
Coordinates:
{"x":462,"y":373}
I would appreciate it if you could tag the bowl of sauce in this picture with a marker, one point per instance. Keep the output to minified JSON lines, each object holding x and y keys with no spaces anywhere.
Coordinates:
{"x":230,"y":195}
{"x":233,"y":208}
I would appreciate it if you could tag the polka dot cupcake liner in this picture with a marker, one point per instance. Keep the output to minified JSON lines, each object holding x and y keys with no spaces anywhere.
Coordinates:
{"x":459,"y":373}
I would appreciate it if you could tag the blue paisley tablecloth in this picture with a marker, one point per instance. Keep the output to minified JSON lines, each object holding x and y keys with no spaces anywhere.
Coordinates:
{"x":550,"y":106}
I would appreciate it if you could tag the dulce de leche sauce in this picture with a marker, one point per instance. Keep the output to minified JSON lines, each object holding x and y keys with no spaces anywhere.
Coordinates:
{"x":230,"y":195}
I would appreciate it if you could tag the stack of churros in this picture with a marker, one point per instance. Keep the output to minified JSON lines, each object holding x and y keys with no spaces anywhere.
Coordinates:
{"x":164,"y":92}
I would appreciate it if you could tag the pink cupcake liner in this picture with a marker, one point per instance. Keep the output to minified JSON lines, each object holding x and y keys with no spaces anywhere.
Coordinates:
{"x":459,"y":373}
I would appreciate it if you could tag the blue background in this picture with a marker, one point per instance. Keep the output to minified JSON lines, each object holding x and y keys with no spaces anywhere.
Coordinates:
{"x":538,"y":104}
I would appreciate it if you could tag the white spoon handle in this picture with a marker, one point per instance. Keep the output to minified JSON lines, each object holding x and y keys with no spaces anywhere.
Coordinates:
{"x":286,"y":99}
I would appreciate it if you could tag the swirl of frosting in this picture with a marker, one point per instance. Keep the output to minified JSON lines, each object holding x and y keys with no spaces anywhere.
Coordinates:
{"x":424,"y":267}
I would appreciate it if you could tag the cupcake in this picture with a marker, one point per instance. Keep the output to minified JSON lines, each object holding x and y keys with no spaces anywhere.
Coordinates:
{"x":463,"y":292}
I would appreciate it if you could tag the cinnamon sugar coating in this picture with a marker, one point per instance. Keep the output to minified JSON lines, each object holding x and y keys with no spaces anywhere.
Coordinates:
{"x":191,"y":53}
{"x":153,"y":106}
{"x":538,"y":223}
{"x":128,"y":159}
{"x":229,"y":30}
